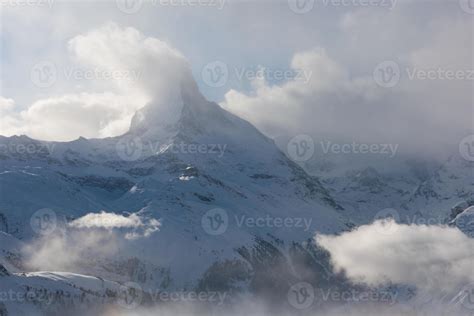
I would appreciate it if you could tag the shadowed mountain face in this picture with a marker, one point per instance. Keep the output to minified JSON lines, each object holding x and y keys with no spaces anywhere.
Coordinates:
{"x":213,"y":181}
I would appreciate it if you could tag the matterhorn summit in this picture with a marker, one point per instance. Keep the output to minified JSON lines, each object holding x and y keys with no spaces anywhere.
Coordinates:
{"x":213,"y":182}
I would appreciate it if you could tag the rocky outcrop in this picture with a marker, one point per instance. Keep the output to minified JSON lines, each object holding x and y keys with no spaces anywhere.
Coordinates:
{"x":3,"y":271}
{"x":465,"y":221}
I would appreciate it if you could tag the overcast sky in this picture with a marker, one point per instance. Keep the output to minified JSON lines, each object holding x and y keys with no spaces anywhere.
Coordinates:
{"x":391,"y":72}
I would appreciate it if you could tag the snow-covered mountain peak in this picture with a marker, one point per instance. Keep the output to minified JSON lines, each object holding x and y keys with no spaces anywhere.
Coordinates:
{"x":191,"y":119}
{"x":162,"y":114}
{"x":191,"y":157}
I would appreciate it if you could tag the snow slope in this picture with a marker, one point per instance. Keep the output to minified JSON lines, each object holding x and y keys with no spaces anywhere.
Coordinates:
{"x":48,"y":293}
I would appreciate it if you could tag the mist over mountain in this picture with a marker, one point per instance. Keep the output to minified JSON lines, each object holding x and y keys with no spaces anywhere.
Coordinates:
{"x":328,"y":177}
{"x":221,"y":207}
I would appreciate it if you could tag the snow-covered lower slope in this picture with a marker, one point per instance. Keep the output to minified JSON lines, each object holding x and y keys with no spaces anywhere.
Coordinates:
{"x":53,"y":293}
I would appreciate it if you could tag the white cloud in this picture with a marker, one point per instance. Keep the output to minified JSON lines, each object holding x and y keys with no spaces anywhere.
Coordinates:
{"x":342,"y":102}
{"x":113,"y":48}
{"x":433,"y":258}
{"x":6,"y":105}
{"x":70,"y":250}
{"x":318,"y":106}
{"x":70,"y":116}
{"x":137,"y":226}
{"x":139,"y":69}
{"x":8,"y":120}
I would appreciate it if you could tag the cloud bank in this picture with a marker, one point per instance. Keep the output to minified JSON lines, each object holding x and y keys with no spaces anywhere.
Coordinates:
{"x":432,"y":258}
{"x":344,"y":102}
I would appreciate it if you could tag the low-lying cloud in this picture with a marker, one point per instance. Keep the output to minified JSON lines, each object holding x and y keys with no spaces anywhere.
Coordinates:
{"x":95,"y":237}
{"x":138,"y":226}
{"x":432,"y":258}
{"x":70,"y":250}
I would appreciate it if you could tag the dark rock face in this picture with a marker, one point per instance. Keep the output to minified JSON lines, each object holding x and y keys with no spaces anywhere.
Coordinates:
{"x":3,"y":310}
{"x":3,"y":223}
{"x":459,"y":208}
{"x":266,"y":271}
{"x":3,"y":272}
